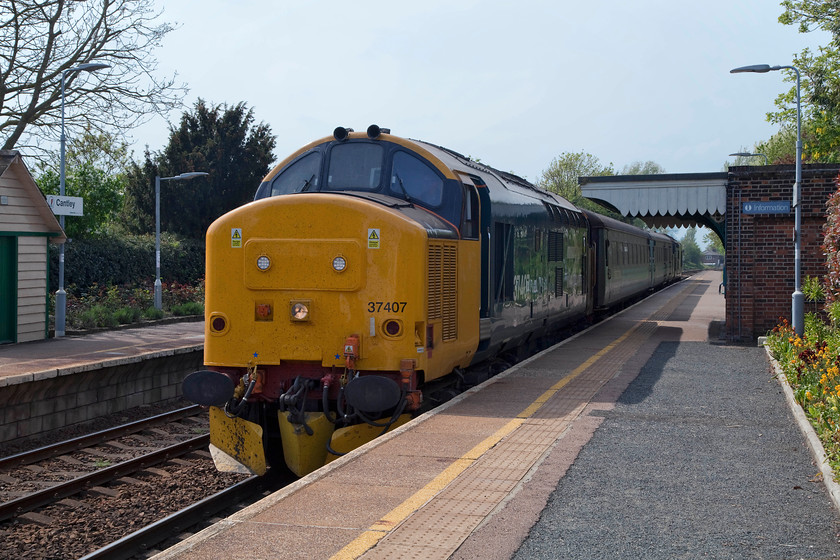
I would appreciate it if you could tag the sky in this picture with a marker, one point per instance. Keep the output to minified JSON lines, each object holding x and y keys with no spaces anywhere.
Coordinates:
{"x":514,"y":84}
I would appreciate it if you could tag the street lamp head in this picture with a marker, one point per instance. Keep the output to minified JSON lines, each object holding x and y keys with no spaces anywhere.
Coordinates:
{"x":760,"y":68}
{"x":750,"y":154}
{"x":87,"y":67}
{"x":91,"y":66}
{"x":191,"y":175}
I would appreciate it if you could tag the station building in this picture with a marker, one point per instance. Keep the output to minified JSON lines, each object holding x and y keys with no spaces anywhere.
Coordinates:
{"x":26,"y":226}
{"x":750,"y":208}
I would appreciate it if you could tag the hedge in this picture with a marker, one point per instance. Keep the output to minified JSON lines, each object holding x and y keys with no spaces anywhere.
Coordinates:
{"x":127,"y":259}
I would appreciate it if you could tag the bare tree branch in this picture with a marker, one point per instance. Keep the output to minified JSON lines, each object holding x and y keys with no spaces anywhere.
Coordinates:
{"x":41,"y":39}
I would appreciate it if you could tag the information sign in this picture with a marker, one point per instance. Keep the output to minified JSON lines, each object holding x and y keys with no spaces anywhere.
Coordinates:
{"x":66,"y":205}
{"x":767,"y":207}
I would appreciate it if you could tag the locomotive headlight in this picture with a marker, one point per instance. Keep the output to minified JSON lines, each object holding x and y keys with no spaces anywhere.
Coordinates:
{"x":299,"y":310}
{"x":263,"y":263}
{"x":339,"y":263}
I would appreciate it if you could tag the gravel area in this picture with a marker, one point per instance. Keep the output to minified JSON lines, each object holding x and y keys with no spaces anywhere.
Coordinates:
{"x":86,"y":523}
{"x":694,"y":462}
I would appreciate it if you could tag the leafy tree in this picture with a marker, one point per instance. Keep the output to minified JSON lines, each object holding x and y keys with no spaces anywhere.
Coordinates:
{"x":692,"y":255}
{"x":94,"y":170}
{"x":222,"y":140}
{"x":820,"y":80}
{"x":41,"y":39}
{"x":562,"y":174}
{"x":713,"y":241}
{"x":643,"y":168}
{"x":780,"y":148}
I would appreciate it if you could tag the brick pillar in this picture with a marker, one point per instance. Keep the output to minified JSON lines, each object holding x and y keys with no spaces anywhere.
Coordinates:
{"x":760,"y":247}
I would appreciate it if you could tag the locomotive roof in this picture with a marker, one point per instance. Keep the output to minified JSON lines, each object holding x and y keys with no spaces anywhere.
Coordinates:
{"x":510,"y":181}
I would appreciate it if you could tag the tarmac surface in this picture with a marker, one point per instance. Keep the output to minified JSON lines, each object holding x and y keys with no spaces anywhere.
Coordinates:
{"x":700,"y":458}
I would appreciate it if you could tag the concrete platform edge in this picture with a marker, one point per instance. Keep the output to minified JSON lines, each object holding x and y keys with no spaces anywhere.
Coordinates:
{"x":814,"y":443}
{"x":52,"y":373}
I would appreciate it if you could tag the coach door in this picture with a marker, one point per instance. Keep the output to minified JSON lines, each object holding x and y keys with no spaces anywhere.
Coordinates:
{"x":8,"y":293}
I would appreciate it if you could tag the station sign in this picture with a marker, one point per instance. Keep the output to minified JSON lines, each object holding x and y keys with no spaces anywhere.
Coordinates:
{"x":66,"y":205}
{"x":766,"y":207}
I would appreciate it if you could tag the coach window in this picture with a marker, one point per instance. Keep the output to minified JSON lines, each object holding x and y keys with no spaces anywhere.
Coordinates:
{"x":413,"y":179}
{"x":300,"y":176}
{"x":355,"y":166}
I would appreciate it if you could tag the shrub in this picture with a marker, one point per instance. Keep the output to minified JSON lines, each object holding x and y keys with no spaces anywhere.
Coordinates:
{"x":97,"y":316}
{"x":126,"y":315}
{"x":118,"y":260}
{"x":188,"y":308}
{"x":153,"y":312}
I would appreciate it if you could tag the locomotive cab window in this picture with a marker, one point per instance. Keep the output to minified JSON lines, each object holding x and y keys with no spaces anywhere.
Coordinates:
{"x":301,"y":176}
{"x":415,"y":180}
{"x":355,"y":166}
{"x":469,"y":219}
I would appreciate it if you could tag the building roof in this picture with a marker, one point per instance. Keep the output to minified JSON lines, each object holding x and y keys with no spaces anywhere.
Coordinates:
{"x":23,"y":207}
{"x":679,"y":198}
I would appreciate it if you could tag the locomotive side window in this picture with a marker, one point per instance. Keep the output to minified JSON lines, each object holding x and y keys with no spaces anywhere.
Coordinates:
{"x":469,"y":219}
{"x":355,"y":166}
{"x":301,"y":176}
{"x":414,"y":178}
{"x":504,"y":262}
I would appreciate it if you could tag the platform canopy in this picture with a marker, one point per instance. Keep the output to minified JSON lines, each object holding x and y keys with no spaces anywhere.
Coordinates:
{"x":667,"y":200}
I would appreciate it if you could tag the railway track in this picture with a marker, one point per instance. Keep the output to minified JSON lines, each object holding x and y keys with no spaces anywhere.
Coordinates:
{"x":76,"y":497}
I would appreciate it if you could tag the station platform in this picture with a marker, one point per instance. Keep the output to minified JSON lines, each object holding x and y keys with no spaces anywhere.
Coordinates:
{"x":640,"y":437}
{"x":48,"y":385}
{"x":55,"y":357}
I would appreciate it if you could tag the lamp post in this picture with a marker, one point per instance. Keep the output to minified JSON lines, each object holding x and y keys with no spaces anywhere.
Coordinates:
{"x":748,"y":154}
{"x":61,"y":295}
{"x":158,"y":179}
{"x":798,"y":298}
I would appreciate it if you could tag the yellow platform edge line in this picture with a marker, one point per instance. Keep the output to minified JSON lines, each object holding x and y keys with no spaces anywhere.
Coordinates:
{"x":390,"y":520}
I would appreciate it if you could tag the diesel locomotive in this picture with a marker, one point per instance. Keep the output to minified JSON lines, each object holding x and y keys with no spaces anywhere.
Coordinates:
{"x":367,"y":267}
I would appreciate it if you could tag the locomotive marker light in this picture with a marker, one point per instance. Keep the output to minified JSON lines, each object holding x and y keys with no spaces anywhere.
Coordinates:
{"x":158,"y":179}
{"x":798,"y":298}
{"x":61,"y":295}
{"x":263,"y":263}
{"x":299,"y":311}
{"x":339,"y":264}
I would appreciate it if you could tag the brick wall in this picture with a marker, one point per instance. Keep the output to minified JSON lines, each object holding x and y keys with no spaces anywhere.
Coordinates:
{"x":39,"y":406}
{"x":760,"y":247}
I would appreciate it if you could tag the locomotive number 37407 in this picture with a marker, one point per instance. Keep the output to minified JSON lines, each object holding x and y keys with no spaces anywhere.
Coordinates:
{"x":387,"y":306}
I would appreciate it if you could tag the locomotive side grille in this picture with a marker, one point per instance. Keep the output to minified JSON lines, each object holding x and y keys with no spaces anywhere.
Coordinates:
{"x":555,"y":246}
{"x":435,"y":280}
{"x":558,"y":281}
{"x":443,"y":287}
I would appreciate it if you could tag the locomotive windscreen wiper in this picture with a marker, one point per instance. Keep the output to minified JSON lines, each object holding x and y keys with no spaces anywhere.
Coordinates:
{"x":307,"y":184}
{"x":402,"y":187}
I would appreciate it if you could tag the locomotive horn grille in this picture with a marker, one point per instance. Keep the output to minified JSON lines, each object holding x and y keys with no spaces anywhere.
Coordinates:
{"x":443,"y":288}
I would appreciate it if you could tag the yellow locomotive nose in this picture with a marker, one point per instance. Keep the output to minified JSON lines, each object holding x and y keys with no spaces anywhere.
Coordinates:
{"x":281,"y":292}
